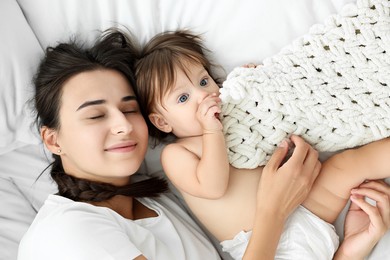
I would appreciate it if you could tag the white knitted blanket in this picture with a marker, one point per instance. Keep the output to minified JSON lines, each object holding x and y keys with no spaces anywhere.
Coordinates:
{"x":331,"y":86}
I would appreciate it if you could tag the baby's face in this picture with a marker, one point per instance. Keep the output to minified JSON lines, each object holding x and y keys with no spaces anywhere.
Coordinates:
{"x":181,"y":103}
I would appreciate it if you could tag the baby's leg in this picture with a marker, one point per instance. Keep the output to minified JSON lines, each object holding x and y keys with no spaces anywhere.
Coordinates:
{"x":344,"y":171}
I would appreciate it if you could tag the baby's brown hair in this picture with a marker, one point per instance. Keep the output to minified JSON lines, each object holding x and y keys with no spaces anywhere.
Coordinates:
{"x":155,"y":70}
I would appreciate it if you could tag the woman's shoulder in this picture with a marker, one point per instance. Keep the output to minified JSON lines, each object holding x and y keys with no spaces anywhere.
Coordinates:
{"x":61,"y":207}
{"x":60,"y":217}
{"x":62,"y":224}
{"x":63,"y":214}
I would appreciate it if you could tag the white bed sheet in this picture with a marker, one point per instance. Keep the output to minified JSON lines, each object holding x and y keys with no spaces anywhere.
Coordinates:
{"x":237,"y":32}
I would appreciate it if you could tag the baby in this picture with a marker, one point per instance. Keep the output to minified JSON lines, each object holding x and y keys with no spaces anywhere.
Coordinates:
{"x":179,"y":96}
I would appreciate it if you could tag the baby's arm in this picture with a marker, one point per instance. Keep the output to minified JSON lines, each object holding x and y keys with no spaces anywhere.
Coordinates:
{"x":192,"y":175}
{"x":206,"y":174}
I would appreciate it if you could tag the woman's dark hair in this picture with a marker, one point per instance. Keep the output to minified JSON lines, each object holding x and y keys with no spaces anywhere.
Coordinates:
{"x":113,"y":50}
{"x":155,"y":70}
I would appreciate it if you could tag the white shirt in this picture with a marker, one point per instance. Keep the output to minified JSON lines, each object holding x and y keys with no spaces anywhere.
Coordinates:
{"x":65,"y":229}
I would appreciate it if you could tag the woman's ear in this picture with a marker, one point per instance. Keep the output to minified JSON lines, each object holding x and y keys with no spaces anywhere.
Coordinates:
{"x":159,"y":121}
{"x":49,"y":138}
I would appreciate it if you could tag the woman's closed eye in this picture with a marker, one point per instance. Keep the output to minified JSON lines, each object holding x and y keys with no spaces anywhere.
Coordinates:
{"x":130,"y":111}
{"x":132,"y":108}
{"x":96,"y":117}
{"x":125,"y":112}
{"x":183,"y":98}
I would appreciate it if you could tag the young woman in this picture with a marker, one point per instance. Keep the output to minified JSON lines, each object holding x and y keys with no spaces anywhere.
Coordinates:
{"x":90,"y":120}
{"x":180,"y":97}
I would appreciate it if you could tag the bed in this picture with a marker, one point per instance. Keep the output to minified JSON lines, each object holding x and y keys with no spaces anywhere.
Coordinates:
{"x":237,"y":33}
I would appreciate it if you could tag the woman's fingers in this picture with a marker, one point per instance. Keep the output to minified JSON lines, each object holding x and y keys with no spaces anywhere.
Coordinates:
{"x":291,"y":182}
{"x":355,"y":206}
{"x":312,"y":157}
{"x":380,"y":193}
{"x":378,"y":185}
{"x":376,"y":218}
{"x":305,"y":157}
{"x":278,"y":156}
{"x":301,"y":149}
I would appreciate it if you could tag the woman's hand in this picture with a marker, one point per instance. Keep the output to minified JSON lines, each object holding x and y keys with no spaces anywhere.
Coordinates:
{"x":365,"y":224}
{"x":288,"y":185}
{"x":281,"y":189}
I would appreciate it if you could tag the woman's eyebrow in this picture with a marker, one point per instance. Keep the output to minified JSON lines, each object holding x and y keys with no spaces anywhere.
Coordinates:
{"x":91,"y":103}
{"x":128,"y":98}
{"x":102,"y":101}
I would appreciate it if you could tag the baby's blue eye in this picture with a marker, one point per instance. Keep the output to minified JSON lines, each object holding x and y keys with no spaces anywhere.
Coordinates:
{"x":203,"y":82}
{"x":183,"y":98}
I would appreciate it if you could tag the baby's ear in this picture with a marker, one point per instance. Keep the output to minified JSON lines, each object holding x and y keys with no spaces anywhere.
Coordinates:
{"x":160,"y":122}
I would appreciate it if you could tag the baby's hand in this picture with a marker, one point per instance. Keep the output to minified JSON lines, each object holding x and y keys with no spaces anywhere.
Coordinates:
{"x":208,"y":113}
{"x":250,"y":65}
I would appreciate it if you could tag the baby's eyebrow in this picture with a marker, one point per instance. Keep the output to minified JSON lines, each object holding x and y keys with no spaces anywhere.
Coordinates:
{"x":203,"y":70}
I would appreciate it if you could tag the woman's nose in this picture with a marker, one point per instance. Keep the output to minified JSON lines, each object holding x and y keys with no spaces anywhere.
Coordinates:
{"x":121,"y":126}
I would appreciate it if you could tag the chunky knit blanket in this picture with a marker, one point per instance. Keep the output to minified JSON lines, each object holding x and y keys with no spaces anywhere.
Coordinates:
{"x":331,"y":87}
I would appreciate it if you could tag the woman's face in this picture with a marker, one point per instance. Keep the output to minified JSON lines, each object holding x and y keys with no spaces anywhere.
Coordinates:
{"x":102,"y":135}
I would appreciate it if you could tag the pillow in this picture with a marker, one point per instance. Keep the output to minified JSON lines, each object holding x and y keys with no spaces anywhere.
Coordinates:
{"x":20,"y":53}
{"x":22,"y":194}
{"x":15,"y":218}
{"x":88,"y":18}
{"x":331,"y":87}
{"x":239,"y":32}
{"x":37,"y":28}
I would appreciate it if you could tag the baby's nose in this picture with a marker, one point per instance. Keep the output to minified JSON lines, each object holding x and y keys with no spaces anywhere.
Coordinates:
{"x":203,"y":96}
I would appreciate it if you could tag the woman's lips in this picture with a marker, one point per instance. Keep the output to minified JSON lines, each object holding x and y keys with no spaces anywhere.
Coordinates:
{"x":122,"y":147}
